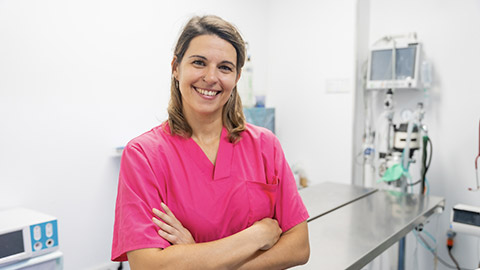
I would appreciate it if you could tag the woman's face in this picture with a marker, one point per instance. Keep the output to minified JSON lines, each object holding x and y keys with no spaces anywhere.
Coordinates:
{"x":207,"y":75}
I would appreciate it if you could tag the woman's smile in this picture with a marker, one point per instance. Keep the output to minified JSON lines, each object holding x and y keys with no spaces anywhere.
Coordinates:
{"x":207,"y":93}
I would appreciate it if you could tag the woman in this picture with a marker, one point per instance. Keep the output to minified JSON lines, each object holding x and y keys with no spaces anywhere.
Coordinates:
{"x":228,"y":196}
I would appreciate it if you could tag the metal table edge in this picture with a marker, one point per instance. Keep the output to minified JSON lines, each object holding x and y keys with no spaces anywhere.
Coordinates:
{"x":342,"y":205}
{"x":369,"y":256}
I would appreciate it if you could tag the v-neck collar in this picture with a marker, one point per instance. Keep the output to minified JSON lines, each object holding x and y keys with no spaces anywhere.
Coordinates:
{"x":223,"y":163}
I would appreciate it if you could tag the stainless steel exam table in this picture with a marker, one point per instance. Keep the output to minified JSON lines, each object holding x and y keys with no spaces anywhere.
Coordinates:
{"x":349,"y":226}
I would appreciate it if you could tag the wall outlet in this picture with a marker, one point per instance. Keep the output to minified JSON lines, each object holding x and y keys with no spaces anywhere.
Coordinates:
{"x":338,"y":85}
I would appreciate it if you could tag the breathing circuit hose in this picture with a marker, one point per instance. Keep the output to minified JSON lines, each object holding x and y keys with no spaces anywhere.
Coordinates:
{"x":424,"y":163}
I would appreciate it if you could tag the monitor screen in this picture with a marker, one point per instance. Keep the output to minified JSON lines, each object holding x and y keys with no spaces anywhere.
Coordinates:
{"x":11,"y":244}
{"x":381,"y":64}
{"x":466,"y":217}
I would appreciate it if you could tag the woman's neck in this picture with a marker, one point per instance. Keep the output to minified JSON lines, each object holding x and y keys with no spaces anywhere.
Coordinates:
{"x":205,"y":129}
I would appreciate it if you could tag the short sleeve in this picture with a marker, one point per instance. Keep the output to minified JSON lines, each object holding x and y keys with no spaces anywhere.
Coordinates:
{"x":289,"y":209}
{"x":139,"y":190}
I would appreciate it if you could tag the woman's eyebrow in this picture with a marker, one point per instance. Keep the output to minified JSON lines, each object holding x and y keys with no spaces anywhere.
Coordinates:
{"x":204,"y":58}
{"x":199,"y":56}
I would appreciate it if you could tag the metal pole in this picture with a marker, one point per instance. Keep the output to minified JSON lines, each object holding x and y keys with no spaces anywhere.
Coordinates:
{"x":402,"y":242}
{"x":401,"y":254}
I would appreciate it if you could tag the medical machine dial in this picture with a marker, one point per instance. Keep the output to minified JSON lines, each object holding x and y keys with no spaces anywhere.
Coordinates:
{"x":406,"y":115}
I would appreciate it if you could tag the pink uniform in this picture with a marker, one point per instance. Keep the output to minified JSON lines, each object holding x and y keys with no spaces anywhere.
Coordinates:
{"x":250,"y":181}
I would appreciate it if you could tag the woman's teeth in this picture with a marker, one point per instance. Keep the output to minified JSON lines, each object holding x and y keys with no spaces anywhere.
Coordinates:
{"x":206,"y":92}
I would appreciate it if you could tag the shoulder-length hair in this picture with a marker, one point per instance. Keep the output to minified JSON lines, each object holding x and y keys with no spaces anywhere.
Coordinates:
{"x":233,"y":117}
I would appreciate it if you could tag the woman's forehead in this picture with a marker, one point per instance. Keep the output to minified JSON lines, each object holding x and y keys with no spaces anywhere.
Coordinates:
{"x":211,"y":47}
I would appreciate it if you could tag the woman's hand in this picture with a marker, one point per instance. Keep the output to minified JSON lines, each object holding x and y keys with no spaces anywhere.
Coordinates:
{"x":269,"y":232}
{"x":171,"y":229}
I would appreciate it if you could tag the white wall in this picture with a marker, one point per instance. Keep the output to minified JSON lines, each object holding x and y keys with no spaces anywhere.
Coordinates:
{"x":77,"y":79}
{"x":449,"y":31}
{"x":311,"y":43}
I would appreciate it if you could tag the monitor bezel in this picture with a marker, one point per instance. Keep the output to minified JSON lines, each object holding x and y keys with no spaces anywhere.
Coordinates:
{"x":406,"y":83}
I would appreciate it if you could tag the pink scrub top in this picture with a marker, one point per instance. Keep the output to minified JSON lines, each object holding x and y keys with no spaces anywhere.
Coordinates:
{"x":250,"y":181}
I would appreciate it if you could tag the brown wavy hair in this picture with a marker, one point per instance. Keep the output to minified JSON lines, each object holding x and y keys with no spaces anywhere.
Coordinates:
{"x":232,"y":117}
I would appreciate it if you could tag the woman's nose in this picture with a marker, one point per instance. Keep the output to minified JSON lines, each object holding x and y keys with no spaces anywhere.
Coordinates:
{"x":210,"y":76}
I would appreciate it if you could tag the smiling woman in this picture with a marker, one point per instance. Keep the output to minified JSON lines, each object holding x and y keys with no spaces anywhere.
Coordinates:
{"x":212,"y":26}
{"x":206,"y":77}
{"x":227,"y":196}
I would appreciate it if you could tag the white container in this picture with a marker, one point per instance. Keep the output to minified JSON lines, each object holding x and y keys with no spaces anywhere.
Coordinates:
{"x":245,"y":85}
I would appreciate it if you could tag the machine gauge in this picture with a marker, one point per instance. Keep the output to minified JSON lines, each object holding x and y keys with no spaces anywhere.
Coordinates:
{"x":406,"y":115}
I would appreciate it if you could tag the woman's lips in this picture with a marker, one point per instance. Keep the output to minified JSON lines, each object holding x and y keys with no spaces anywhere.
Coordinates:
{"x":206,"y":92}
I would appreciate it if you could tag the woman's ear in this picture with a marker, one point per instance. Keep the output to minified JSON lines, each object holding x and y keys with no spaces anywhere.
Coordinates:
{"x":175,"y":67}
{"x":238,"y":76}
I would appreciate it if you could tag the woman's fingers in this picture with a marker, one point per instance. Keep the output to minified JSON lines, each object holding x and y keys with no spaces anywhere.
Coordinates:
{"x":166,"y":231}
{"x":167,"y":210}
{"x":171,"y":229}
{"x":163,"y":226}
{"x":166,"y":218}
{"x":174,"y":221}
{"x":169,"y":237}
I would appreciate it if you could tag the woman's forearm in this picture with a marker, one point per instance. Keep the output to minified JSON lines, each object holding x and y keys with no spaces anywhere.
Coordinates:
{"x":226,"y":253}
{"x":292,"y":249}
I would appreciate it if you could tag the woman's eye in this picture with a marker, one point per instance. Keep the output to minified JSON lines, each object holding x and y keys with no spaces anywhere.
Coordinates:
{"x":226,"y":68}
{"x":198,"y":63}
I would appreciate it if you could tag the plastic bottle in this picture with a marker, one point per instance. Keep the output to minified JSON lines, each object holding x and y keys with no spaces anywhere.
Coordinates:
{"x":426,"y":77}
{"x":259,"y":97}
{"x":426,"y":74}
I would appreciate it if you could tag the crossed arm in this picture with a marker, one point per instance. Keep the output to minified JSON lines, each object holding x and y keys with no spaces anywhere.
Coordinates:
{"x":260,"y":246}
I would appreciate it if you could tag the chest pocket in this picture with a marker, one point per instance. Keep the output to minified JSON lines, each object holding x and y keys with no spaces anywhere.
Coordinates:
{"x":262,"y":199}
